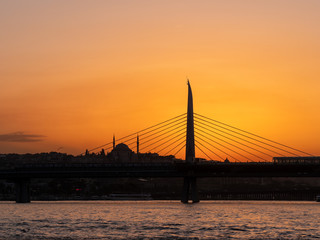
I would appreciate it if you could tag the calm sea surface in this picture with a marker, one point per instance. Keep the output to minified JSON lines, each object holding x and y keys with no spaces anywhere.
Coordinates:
{"x":160,"y":220}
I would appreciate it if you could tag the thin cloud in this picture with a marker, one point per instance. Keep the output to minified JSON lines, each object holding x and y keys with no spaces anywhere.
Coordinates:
{"x":21,"y":137}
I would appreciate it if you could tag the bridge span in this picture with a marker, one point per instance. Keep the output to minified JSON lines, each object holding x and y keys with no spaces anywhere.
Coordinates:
{"x":162,"y":170}
{"x":238,"y":152}
{"x":23,"y":174}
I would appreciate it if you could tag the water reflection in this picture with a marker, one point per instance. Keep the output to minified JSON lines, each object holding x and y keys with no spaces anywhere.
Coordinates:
{"x":160,"y":220}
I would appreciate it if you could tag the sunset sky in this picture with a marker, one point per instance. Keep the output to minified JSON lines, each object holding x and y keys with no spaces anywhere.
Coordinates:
{"x":73,"y":73}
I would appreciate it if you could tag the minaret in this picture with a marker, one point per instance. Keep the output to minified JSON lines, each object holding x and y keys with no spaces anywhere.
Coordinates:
{"x":114,"y":141}
{"x":137,"y":143}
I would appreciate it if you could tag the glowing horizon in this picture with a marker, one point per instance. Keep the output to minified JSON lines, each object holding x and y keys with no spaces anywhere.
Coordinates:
{"x":75,"y":73}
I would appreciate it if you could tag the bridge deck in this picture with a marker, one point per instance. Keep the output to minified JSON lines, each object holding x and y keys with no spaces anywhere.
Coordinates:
{"x":202,"y":170}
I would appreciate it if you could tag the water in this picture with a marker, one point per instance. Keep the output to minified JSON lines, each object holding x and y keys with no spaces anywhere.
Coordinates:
{"x":160,"y":220}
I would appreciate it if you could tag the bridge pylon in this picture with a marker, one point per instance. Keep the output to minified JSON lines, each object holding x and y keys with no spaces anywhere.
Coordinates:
{"x":190,"y":182}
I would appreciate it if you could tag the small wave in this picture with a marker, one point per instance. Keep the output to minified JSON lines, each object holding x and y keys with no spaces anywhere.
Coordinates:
{"x":159,"y":228}
{"x":208,"y":228}
{"x":238,"y":229}
{"x":22,"y":224}
{"x":174,"y":224}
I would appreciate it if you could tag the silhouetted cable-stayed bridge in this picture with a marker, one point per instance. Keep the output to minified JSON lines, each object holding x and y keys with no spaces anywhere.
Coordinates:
{"x":206,"y":137}
{"x":212,"y":149}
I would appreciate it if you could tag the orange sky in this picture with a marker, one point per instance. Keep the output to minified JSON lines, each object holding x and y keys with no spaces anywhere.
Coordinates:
{"x":75,"y":72}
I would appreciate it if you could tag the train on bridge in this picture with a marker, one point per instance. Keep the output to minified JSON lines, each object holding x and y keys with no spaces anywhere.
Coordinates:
{"x":297,"y":160}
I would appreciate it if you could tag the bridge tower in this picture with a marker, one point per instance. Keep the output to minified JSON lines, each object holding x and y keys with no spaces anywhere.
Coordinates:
{"x":190,"y":182}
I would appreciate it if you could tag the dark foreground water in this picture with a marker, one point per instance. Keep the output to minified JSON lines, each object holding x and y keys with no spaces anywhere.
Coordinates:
{"x":160,"y":220}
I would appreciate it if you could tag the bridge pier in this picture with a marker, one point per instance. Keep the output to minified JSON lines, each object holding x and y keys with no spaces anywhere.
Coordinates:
{"x":190,"y":186}
{"x":22,"y":190}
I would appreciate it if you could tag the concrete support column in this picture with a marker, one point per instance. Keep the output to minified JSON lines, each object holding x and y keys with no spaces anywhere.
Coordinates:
{"x":22,"y":190}
{"x":194,"y":190}
{"x":185,"y":190}
{"x":190,"y":187}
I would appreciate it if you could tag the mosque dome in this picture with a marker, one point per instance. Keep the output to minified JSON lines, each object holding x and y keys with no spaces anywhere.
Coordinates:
{"x":121,"y":147}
